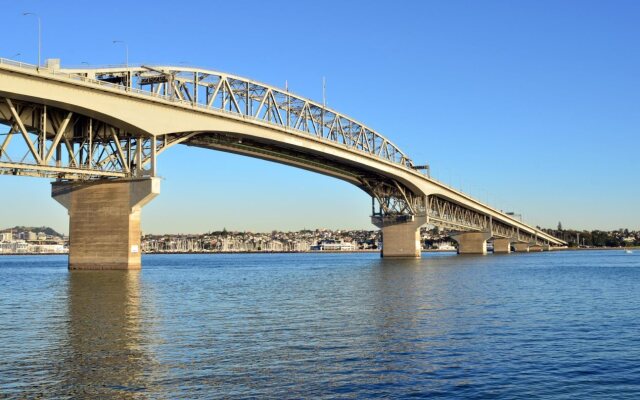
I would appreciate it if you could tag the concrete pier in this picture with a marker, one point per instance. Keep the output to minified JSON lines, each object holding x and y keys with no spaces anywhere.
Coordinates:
{"x":104,"y":221}
{"x":472,"y":242}
{"x":502,"y":246}
{"x":401,"y":238}
{"x":521,"y":247}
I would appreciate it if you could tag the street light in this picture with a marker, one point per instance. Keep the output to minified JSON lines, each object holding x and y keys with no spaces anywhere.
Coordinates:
{"x":126,"y":48}
{"x":514,"y":215}
{"x":39,"y":33}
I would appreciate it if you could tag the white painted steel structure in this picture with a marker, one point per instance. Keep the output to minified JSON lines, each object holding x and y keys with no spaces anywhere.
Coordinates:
{"x":113,"y":122}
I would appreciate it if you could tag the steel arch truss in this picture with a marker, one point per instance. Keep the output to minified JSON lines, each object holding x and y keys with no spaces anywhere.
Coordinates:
{"x":249,"y":99}
{"x":49,"y":142}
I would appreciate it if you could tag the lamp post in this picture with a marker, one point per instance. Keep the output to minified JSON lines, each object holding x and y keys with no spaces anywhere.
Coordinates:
{"x":126,"y":48}
{"x":126,"y":61}
{"x":39,"y":34}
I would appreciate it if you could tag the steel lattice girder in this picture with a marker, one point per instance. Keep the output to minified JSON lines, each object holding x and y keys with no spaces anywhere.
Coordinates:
{"x":450,"y":215}
{"x":49,"y":142}
{"x":392,"y":200}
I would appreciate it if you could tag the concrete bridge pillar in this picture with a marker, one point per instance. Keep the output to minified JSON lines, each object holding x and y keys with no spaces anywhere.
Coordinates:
{"x":502,"y":246}
{"x":401,"y":237}
{"x":472,"y":242}
{"x":521,"y":247}
{"x":104,"y":220}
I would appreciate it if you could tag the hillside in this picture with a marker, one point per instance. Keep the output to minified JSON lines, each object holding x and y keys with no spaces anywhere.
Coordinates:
{"x":45,"y":229}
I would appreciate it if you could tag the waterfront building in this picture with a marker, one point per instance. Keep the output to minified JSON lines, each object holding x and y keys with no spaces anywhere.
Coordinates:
{"x":332,"y":245}
{"x":445,"y":246}
{"x":13,"y":247}
{"x":47,"y":248}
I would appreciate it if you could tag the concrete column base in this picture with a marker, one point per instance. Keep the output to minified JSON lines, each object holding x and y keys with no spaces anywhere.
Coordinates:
{"x":502,"y":246}
{"x":521,"y":247}
{"x":104,"y":221}
{"x":472,"y":242}
{"x":401,"y":238}
{"x":536,"y":248}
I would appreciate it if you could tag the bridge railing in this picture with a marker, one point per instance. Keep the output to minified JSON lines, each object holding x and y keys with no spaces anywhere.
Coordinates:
{"x":18,"y":64}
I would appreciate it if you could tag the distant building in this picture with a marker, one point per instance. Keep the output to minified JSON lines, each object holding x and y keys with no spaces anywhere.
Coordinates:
{"x":19,"y":246}
{"x":332,"y":245}
{"x":47,"y":248}
{"x":445,"y":246}
{"x":6,"y":237}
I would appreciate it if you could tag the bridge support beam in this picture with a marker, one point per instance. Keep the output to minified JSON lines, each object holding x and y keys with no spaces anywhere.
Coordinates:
{"x":502,"y":246}
{"x":521,"y":247}
{"x":104,"y":221}
{"x":401,"y":238}
{"x":472,"y":242}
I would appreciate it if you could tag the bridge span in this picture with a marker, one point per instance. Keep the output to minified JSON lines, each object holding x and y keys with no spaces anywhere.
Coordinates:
{"x":98,"y":132}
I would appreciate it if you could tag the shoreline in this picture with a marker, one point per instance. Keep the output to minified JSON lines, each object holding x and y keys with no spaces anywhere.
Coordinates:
{"x":597,"y":248}
{"x":320,"y":251}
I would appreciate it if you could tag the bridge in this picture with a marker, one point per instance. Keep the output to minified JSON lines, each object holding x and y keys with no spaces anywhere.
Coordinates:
{"x":98,"y":133}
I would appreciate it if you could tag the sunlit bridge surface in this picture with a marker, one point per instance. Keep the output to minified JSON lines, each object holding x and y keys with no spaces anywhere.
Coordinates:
{"x":553,"y":325}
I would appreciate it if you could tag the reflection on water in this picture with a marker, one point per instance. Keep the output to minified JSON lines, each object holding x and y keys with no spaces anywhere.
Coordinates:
{"x":553,"y":325}
{"x":105,"y":355}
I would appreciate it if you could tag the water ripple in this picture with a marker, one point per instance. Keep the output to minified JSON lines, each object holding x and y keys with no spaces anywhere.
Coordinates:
{"x":544,"y":325}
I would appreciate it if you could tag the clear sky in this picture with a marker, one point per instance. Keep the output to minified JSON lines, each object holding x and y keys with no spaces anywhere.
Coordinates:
{"x":531,"y":106}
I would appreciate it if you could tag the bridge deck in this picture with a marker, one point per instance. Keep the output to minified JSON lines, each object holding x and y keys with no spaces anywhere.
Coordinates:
{"x":112,"y":136}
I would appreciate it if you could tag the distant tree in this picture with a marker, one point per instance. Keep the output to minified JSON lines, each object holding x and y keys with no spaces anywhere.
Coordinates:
{"x":560,"y":226}
{"x":613,"y":241}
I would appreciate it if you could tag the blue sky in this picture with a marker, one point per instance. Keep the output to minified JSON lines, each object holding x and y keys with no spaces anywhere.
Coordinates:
{"x":532,"y":106}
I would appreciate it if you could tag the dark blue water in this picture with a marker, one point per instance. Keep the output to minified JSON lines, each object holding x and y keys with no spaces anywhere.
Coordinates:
{"x":545,"y":325}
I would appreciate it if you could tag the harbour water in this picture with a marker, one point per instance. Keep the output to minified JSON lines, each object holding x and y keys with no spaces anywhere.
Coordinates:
{"x":544,"y":325}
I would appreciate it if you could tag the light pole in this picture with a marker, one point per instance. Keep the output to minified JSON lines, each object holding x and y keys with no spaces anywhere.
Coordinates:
{"x":126,"y":48}
{"x":39,"y":34}
{"x":126,"y":61}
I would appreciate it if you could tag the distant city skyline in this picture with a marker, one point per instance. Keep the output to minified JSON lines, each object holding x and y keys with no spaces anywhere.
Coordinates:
{"x":530,"y":107}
